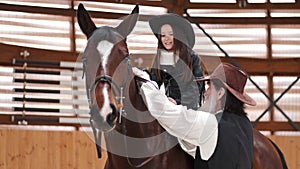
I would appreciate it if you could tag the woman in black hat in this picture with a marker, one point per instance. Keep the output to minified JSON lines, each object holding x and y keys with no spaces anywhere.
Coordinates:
{"x":176,"y":65}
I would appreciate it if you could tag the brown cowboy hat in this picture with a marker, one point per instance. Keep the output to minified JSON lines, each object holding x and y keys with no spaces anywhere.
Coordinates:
{"x":234,"y":79}
{"x":184,"y":28}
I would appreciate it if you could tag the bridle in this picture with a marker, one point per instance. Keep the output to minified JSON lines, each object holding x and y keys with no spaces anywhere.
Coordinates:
{"x":118,"y":92}
{"x":94,"y":110}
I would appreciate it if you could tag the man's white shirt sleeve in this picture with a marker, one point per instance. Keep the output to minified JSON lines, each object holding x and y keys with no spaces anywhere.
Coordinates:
{"x":192,"y":128}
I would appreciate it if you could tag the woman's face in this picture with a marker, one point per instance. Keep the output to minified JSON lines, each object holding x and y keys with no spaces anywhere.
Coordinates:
{"x":167,"y":37}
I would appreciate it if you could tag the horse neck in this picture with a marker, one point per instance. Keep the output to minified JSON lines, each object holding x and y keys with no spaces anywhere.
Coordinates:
{"x":139,"y":122}
{"x":133,"y":124}
{"x":154,"y":139}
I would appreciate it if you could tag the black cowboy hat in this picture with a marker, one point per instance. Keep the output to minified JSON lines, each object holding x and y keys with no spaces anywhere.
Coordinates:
{"x":183,"y":26}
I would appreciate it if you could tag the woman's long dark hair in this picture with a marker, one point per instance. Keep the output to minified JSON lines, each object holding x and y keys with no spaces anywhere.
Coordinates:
{"x":181,"y":49}
{"x":229,"y":101}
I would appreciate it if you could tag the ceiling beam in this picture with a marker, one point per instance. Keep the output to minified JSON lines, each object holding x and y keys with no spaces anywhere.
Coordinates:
{"x":188,"y":5}
{"x":177,"y":7}
{"x":288,"y":66}
{"x":13,"y":52}
{"x":275,"y":126}
{"x":246,"y":20}
{"x":64,"y":12}
{"x":268,"y":6}
{"x":139,"y":2}
{"x":280,"y":66}
{"x":39,"y":10}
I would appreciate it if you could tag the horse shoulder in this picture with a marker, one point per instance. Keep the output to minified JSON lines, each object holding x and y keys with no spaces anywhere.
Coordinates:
{"x":265,"y":154}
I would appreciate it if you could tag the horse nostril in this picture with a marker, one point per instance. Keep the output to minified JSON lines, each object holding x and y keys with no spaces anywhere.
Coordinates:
{"x":113,"y":115}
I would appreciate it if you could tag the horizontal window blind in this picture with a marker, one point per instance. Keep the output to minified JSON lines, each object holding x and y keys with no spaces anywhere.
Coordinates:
{"x":35,"y":95}
{"x":46,"y":31}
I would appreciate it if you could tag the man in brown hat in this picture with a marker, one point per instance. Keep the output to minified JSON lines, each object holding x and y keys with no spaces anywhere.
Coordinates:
{"x":219,"y":135}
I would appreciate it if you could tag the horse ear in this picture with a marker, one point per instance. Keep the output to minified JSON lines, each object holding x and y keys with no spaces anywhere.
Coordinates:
{"x":127,"y":25}
{"x":85,"y":22}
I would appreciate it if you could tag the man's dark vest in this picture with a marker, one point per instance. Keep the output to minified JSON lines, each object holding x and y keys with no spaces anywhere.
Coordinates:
{"x":234,"y":147}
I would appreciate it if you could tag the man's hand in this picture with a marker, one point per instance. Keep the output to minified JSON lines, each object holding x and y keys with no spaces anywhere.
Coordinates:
{"x":144,"y":75}
{"x":140,"y":73}
{"x":172,"y":100}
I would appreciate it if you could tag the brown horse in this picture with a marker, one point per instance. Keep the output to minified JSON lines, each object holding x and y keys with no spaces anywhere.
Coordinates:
{"x":266,"y":153}
{"x":133,"y":138}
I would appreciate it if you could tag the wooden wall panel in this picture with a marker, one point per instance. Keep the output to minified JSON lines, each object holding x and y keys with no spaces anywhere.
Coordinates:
{"x":27,"y":149}
{"x":54,"y":155}
{"x":26,"y":153}
{"x":12,"y":150}
{"x":67,"y":149}
{"x":290,"y":146}
{"x":86,"y":156}
{"x":3,"y":152}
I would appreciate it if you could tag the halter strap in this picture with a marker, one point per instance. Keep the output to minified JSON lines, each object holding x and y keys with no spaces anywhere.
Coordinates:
{"x":109,"y":80}
{"x":94,"y":108}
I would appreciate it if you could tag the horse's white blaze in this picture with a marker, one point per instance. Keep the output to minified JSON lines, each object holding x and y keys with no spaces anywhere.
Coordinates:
{"x":106,"y":109}
{"x":104,"y":48}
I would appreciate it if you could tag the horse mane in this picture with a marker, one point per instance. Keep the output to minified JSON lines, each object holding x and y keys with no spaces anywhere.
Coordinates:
{"x":283,"y":162}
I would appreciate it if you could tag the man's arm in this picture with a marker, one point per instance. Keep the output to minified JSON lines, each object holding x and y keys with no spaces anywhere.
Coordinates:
{"x":192,"y":127}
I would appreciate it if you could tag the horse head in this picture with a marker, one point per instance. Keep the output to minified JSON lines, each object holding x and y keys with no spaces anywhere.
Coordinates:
{"x":106,"y":66}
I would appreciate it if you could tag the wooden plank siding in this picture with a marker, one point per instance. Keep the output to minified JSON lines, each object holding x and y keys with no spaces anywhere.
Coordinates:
{"x":32,"y":149}
{"x":290,"y":146}
{"x":29,"y":149}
